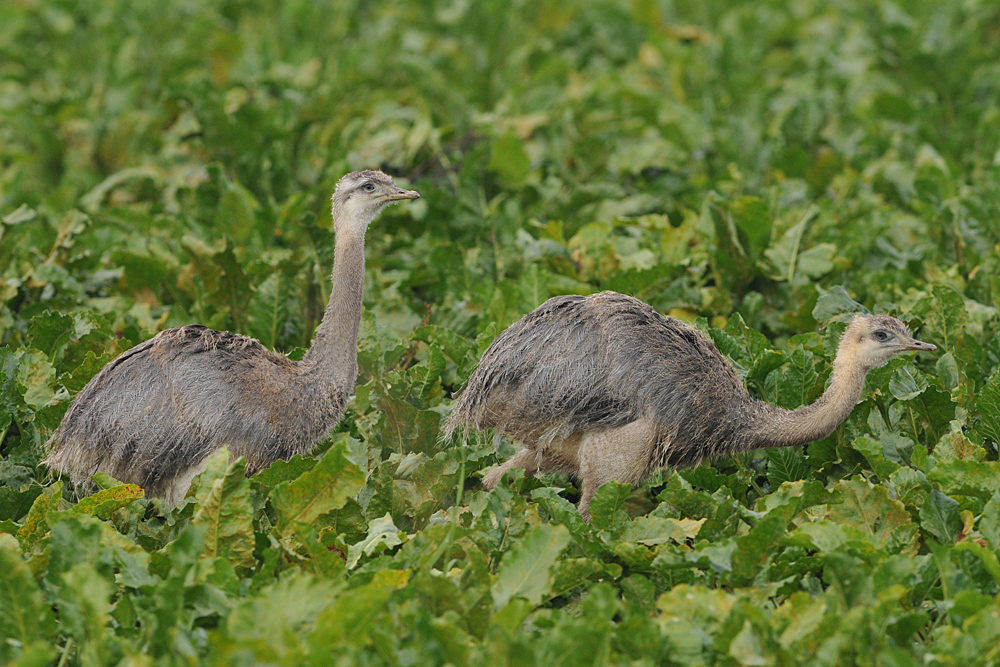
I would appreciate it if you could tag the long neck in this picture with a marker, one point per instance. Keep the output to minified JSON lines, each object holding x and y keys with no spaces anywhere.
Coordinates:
{"x":334,"y":354}
{"x":776,"y":427}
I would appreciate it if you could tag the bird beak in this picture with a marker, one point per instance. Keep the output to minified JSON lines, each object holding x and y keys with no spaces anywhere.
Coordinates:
{"x":401,"y":194}
{"x":915,"y":344}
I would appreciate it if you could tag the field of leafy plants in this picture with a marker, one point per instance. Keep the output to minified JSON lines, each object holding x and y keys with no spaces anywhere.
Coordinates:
{"x":763,"y":169}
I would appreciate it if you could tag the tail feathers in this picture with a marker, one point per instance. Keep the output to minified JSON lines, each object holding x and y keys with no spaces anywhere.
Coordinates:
{"x":72,"y":461}
{"x":455,"y":422}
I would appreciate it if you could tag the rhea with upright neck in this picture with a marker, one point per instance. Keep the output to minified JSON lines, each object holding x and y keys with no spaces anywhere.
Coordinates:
{"x":359,"y":197}
{"x":154,"y":415}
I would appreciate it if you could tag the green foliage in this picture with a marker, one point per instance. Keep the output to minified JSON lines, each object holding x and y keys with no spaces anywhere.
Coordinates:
{"x":764,"y":169}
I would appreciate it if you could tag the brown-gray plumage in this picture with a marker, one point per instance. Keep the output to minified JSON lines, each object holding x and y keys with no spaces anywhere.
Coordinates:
{"x":605,"y":388}
{"x":154,"y":415}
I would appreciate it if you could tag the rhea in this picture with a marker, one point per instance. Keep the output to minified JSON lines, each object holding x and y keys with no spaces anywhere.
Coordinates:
{"x":605,"y":388}
{"x":155,"y":414}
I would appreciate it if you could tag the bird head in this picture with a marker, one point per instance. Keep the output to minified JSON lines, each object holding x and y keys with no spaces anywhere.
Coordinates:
{"x":361,"y":195}
{"x":875,"y":339}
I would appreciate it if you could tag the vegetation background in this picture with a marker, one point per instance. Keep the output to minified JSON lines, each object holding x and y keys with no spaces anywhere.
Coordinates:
{"x":764,"y":168}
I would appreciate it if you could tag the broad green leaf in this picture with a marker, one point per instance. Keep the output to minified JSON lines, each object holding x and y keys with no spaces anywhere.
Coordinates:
{"x":651,"y":151}
{"x":753,"y":218}
{"x":988,"y":405}
{"x":989,"y":523}
{"x":819,"y":536}
{"x":283,"y":471}
{"x":84,"y":601}
{"x":874,"y":452}
{"x":817,"y":261}
{"x":805,"y":615}
{"x":406,"y":428}
{"x":849,"y":579}
{"x":746,"y":648}
{"x":689,"y":613}
{"x":525,"y":570}
{"x":570,"y":573}
{"x":884,"y":522}
{"x":966,"y":478}
{"x":36,"y":378}
{"x":784,"y":254}
{"x":509,"y":160}
{"x":906,"y":383}
{"x":786,"y":465}
{"x":225,"y":511}
{"x":946,"y":314}
{"x":291,"y":605}
{"x":24,"y":615}
{"x":51,"y":332}
{"x":325,"y":487}
{"x":939,"y":517}
{"x":836,"y":303}
{"x":351,"y":617}
{"x":268,"y":310}
{"x":236,"y":211}
{"x":754,"y":549}
{"x":606,"y":505}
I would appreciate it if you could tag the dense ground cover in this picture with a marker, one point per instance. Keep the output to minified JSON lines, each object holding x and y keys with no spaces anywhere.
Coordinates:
{"x":760,"y":166}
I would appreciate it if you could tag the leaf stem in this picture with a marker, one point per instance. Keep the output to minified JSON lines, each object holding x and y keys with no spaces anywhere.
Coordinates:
{"x":443,"y":549}
{"x":67,"y":648}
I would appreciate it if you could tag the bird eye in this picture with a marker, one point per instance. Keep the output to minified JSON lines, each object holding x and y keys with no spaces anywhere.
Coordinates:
{"x":881,"y":336}
{"x":368,"y":187}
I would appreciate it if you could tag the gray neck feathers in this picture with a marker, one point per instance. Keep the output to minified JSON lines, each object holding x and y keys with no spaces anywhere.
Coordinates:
{"x":333,"y":357}
{"x":777,"y":427}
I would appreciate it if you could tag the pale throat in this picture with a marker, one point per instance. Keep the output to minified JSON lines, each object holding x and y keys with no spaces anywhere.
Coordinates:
{"x":778,"y":427}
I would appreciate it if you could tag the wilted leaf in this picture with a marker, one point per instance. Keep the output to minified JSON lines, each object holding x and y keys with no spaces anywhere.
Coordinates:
{"x":382,"y":534}
{"x":35,"y":525}
{"x":653,"y":530}
{"x":106,"y":501}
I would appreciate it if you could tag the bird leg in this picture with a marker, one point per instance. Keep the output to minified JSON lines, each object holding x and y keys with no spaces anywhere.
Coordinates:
{"x":558,"y":456}
{"x":621,"y":454}
{"x":526,"y":458}
{"x":178,"y":487}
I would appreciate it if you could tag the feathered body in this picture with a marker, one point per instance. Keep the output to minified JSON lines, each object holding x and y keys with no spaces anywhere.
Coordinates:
{"x":154,"y":415}
{"x":608,"y":374}
{"x":157,"y":410}
{"x":589,"y":363}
